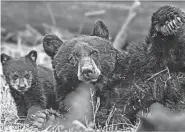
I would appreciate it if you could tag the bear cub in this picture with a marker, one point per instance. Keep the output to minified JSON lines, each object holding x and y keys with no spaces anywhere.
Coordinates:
{"x":31,"y":85}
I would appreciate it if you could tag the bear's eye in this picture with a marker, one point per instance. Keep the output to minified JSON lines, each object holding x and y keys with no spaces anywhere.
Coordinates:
{"x":15,"y":77}
{"x":72,"y":59}
{"x":76,"y":55}
{"x":94,"y":52}
{"x":27,"y":76}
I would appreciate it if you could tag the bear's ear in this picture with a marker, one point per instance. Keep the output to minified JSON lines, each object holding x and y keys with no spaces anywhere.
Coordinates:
{"x":4,"y":58}
{"x":100,"y":30}
{"x":51,"y":44}
{"x":32,"y":55}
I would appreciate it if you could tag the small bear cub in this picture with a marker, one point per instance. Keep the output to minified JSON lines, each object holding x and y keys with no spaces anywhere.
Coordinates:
{"x":31,"y":86}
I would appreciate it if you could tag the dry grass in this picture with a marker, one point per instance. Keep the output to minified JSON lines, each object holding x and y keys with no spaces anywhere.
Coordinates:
{"x":9,"y":117}
{"x":8,"y":113}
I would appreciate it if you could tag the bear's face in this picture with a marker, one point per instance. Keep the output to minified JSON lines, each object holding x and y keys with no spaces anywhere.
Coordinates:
{"x":20,"y":80}
{"x":167,"y":21}
{"x":167,"y":37}
{"x":87,"y":59}
{"x":84,"y":58}
{"x":21,"y":72}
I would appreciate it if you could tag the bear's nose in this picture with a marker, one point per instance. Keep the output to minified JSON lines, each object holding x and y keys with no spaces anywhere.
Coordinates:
{"x":87,"y":71}
{"x":22,"y":88}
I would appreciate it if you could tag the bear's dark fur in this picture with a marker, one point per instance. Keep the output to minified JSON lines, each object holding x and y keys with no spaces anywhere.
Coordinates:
{"x":90,"y":59}
{"x":157,"y":64}
{"x":155,"y":71}
{"x":31,"y":86}
{"x":163,"y":47}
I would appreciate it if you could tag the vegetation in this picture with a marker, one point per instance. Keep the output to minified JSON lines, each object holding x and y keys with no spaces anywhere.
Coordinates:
{"x":25,"y":23}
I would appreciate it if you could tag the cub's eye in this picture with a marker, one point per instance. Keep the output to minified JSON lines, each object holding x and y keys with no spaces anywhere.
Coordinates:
{"x":27,"y":76}
{"x":76,"y":54}
{"x":15,"y":77}
{"x":94,"y":52}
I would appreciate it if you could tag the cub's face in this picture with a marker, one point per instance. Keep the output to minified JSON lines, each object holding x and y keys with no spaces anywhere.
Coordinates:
{"x":20,"y":73}
{"x":21,"y":80}
{"x":86,"y":58}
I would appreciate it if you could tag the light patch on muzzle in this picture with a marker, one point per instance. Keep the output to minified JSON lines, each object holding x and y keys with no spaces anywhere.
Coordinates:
{"x":88,"y":70}
{"x":21,"y":84}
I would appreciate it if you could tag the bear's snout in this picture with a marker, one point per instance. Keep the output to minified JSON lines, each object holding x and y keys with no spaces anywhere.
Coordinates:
{"x":88,"y":70}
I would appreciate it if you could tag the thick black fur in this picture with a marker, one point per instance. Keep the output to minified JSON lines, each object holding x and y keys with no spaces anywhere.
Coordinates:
{"x":40,"y":95}
{"x":127,"y":82}
{"x":111,"y":61}
{"x":163,"y":48}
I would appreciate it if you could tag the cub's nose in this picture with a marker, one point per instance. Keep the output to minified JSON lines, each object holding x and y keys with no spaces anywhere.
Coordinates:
{"x":87,"y":71}
{"x":22,"y":87}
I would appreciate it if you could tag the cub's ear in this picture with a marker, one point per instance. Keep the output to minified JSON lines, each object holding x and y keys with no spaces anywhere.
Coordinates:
{"x":51,"y":44}
{"x":100,"y":30}
{"x":4,"y":58}
{"x":32,"y":55}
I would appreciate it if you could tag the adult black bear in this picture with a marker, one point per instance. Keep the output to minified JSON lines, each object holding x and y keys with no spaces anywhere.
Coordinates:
{"x":88,"y":59}
{"x":31,"y":86}
{"x":154,"y":73}
{"x":163,"y":47}
{"x":157,"y":64}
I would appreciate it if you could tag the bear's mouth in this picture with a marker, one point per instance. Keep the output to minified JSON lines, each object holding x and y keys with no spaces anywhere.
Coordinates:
{"x":168,"y":21}
{"x":171,"y":26}
{"x":88,"y":78}
{"x":22,"y":90}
